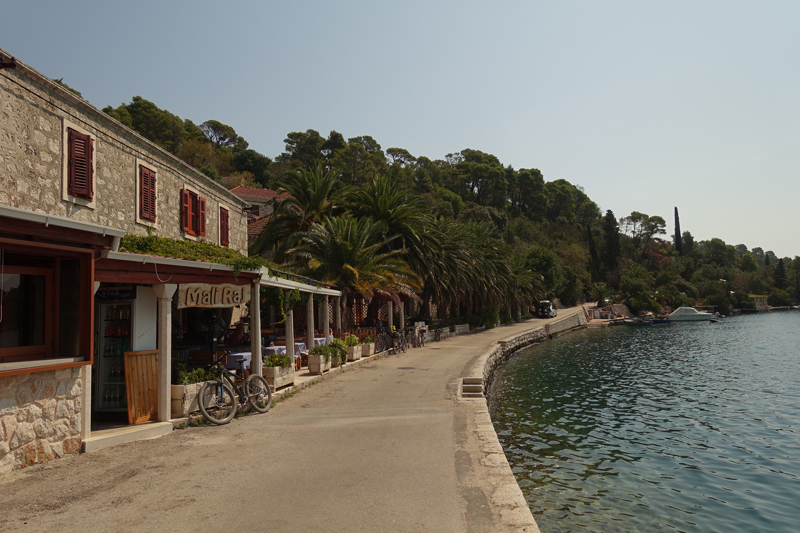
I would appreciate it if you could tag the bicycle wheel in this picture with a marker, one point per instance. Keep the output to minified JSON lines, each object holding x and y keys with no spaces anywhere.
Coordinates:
{"x":259,"y":393}
{"x":217,"y":402}
{"x":386,"y":342}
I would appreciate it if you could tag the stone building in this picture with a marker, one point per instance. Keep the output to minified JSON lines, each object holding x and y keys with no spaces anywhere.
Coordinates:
{"x":262,"y":201}
{"x":73,"y":182}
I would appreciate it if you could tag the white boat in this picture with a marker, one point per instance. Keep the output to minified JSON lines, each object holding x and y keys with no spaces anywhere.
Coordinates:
{"x":688,"y":314}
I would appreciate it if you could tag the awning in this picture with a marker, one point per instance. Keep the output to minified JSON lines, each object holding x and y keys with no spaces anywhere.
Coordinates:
{"x":43,"y":228}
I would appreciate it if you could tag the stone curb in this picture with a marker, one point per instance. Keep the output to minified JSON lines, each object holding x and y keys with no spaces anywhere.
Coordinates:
{"x":505,"y":496}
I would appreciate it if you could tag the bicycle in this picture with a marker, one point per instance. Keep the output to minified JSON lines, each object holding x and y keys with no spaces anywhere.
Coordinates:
{"x":415,"y":337}
{"x":218,"y":399}
{"x":399,"y":342}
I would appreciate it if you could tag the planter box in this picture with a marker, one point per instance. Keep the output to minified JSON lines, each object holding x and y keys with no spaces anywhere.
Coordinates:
{"x":184,"y":399}
{"x":354,"y":353}
{"x":278,"y":376}
{"x":317,"y":364}
{"x":368,"y":349}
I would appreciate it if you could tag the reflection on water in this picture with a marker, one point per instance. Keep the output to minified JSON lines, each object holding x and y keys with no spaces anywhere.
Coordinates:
{"x":686,"y":427}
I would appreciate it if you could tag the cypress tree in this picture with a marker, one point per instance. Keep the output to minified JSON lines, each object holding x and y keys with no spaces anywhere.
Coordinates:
{"x":678,"y":243}
{"x":780,"y":275}
{"x":612,"y":246}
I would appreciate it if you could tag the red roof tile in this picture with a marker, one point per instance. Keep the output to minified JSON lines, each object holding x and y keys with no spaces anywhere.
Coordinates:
{"x":261,"y":194}
{"x":256,"y":225}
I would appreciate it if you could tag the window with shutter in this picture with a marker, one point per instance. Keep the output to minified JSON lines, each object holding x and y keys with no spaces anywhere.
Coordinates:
{"x":223,"y":227}
{"x":147,"y":193}
{"x":80,"y":165}
{"x":193,"y":213}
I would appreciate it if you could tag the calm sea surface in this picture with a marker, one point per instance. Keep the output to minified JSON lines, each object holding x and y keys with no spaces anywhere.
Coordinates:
{"x":685,"y":427}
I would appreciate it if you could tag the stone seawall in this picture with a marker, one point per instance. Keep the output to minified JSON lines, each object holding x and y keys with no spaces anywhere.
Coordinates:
{"x":507,"y":347}
{"x":40,"y":417}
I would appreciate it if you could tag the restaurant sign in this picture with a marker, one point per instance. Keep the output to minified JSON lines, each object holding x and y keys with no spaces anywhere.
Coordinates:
{"x":205,"y":295}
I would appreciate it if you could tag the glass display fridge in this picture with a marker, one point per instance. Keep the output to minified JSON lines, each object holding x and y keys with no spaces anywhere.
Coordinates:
{"x":113,"y":327}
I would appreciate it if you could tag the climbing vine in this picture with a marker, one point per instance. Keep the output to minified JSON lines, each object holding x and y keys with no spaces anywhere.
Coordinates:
{"x":277,"y":297}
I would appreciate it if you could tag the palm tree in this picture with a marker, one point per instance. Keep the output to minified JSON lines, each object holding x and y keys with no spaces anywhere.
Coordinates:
{"x":600,"y":292}
{"x":403,"y":217}
{"x":312,"y":196}
{"x":350,"y":253}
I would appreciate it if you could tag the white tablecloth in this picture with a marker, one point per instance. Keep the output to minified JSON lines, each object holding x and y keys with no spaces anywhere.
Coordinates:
{"x":320,"y":340}
{"x":233,"y":365}
{"x":298,"y":347}
{"x":270,"y":350}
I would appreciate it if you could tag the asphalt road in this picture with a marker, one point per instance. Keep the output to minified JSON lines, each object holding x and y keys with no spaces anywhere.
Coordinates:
{"x":375,"y":448}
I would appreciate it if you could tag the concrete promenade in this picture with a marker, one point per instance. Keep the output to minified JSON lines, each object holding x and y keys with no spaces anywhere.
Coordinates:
{"x":388,"y":445}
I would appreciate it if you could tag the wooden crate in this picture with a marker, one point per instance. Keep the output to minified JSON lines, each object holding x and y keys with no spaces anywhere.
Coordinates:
{"x":141,"y":379}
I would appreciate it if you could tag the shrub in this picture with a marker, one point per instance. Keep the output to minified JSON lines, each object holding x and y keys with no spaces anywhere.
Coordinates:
{"x":278,"y":359}
{"x":338,"y":349}
{"x":188,"y":377}
{"x":368,"y":340}
{"x":351,"y":340}
{"x":779,"y":298}
{"x":323,"y":350}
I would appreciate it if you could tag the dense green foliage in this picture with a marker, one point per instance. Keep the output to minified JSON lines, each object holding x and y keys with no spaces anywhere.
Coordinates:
{"x":466,"y":234}
{"x":196,"y":250}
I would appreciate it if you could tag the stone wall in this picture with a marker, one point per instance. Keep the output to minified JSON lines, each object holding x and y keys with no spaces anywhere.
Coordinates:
{"x":40,"y":417}
{"x":33,"y":115}
{"x":508,"y":347}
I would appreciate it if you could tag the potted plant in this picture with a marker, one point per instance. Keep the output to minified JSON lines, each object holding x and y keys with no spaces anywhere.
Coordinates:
{"x":353,"y":348}
{"x":278,"y":370}
{"x":368,"y":347}
{"x":319,"y":359}
{"x":338,"y":352}
{"x":183,"y":395}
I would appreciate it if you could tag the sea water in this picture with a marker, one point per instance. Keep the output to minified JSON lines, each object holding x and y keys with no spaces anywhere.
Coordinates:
{"x":682,"y":427}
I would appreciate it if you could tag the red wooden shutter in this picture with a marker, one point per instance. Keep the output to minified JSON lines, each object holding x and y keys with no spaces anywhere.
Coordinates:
{"x":223,"y":226}
{"x":153,"y":195}
{"x":80,"y":181}
{"x":147,"y":193}
{"x":186,"y":216}
{"x":202,"y":224}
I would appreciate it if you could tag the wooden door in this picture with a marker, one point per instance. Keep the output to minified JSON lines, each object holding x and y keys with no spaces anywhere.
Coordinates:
{"x":141,"y":379}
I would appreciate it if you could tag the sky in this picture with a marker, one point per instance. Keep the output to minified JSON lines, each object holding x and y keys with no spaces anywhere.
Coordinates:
{"x":647,"y":106}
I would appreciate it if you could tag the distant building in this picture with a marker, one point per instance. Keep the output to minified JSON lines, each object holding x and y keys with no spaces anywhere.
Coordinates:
{"x":262,"y":201}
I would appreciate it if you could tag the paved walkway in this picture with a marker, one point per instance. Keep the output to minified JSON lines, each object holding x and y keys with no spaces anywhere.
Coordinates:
{"x":388,"y":445}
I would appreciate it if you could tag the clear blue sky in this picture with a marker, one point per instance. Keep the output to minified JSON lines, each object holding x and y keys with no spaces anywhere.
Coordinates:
{"x":646,"y":105}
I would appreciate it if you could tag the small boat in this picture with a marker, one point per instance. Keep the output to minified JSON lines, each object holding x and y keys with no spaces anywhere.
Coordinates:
{"x":661,"y":321}
{"x":638,"y":322}
{"x":689,"y":314}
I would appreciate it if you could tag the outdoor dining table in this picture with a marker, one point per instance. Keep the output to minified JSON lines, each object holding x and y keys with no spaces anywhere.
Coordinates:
{"x":320,"y":340}
{"x":298,"y":347}
{"x":232,"y":362}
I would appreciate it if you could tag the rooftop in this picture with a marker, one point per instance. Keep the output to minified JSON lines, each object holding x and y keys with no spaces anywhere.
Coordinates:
{"x":261,"y":194}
